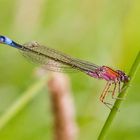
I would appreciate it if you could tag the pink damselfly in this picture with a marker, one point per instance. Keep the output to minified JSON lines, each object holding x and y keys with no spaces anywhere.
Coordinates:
{"x":56,"y":61}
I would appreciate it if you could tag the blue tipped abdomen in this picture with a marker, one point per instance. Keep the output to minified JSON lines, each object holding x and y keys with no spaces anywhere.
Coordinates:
{"x":8,"y":41}
{"x":5,"y":40}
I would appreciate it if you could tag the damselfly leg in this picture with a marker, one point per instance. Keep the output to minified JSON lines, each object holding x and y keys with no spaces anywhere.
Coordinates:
{"x":104,"y":94}
{"x":114,"y":91}
{"x":107,"y":90}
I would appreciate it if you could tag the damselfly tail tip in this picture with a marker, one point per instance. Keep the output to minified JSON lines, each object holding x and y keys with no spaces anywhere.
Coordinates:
{"x":5,"y":40}
{"x":8,"y":41}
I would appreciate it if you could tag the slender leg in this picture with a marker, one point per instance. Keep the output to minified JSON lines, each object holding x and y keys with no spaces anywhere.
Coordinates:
{"x":106,"y":86}
{"x":119,"y":86}
{"x":104,"y":93}
{"x":114,"y":91}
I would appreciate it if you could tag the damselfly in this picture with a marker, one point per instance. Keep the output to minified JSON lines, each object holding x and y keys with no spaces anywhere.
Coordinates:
{"x":57,"y":61}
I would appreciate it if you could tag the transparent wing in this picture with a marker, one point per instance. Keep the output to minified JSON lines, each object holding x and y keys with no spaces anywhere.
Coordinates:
{"x":55,"y":60}
{"x":48,"y":63}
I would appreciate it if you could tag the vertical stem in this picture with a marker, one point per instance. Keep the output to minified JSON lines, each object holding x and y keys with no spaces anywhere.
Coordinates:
{"x":118,"y":102}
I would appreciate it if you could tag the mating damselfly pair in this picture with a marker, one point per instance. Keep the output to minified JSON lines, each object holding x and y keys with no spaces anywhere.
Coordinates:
{"x":56,"y":61}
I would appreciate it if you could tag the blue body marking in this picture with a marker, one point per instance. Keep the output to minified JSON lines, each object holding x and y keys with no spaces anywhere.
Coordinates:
{"x":8,"y":41}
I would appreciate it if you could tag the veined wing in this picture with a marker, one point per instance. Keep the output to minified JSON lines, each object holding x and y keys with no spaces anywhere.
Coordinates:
{"x":55,"y":60}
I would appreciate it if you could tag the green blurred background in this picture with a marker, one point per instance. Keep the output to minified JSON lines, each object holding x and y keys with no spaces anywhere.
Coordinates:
{"x":104,"y":32}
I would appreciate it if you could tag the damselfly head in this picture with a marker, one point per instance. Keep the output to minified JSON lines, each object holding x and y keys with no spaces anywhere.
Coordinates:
{"x":123,"y":77}
{"x":5,"y":40}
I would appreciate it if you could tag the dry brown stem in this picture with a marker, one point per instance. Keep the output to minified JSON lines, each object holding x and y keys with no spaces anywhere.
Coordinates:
{"x":63,"y":108}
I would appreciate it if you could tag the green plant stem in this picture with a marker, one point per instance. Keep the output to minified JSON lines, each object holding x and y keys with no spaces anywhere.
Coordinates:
{"x":118,"y":102}
{"x":21,"y":102}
